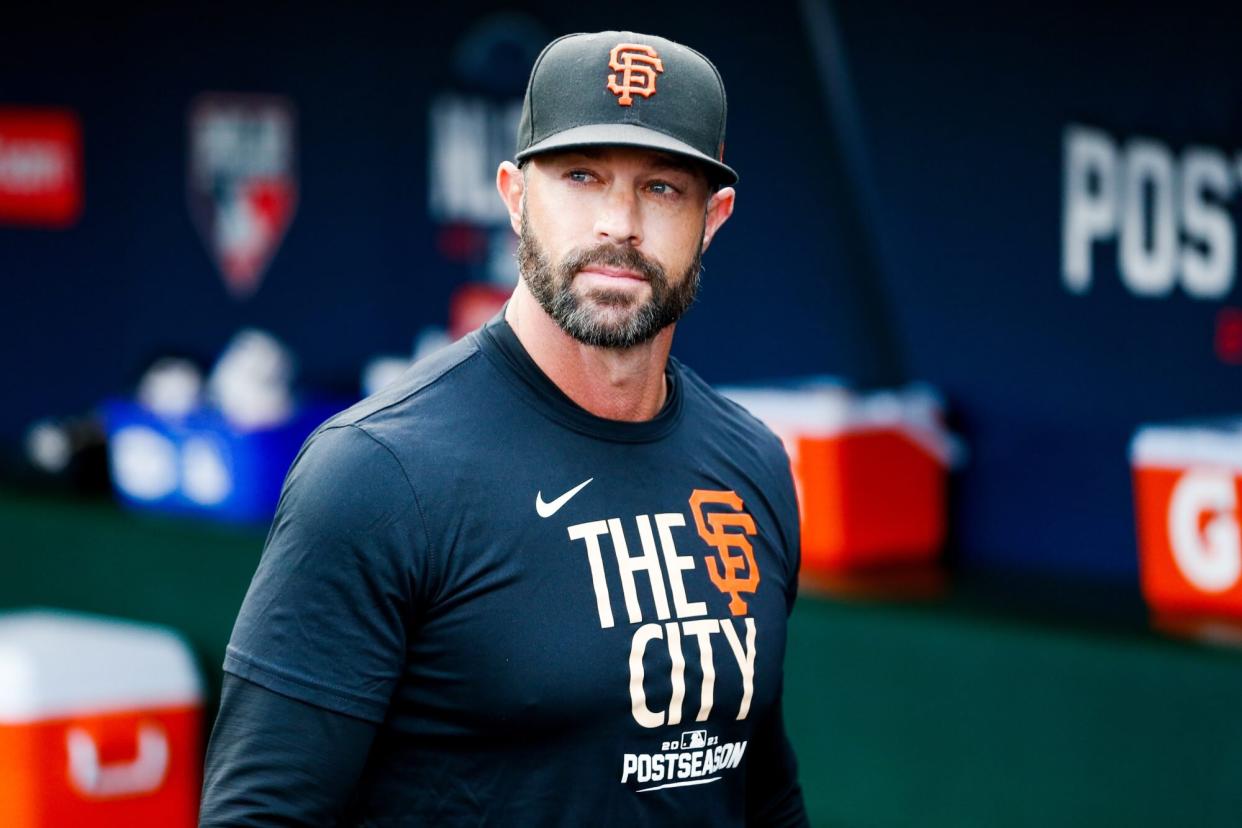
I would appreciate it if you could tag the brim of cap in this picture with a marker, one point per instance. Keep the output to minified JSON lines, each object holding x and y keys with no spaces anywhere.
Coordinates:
{"x":627,"y":135}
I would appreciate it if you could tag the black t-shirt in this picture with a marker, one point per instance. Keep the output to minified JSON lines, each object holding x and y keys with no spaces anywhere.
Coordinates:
{"x":551,"y":618}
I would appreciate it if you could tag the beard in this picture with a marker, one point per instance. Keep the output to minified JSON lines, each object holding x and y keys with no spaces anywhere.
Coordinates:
{"x":604,"y":318}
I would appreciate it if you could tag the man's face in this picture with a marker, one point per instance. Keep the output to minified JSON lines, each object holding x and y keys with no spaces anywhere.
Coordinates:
{"x":611,"y":241}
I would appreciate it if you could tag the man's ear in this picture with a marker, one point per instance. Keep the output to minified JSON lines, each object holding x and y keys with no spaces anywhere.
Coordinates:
{"x":719,"y":208}
{"x":511,"y":185}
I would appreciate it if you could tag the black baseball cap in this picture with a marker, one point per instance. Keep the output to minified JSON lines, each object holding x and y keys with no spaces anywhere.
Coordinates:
{"x":625,"y":89}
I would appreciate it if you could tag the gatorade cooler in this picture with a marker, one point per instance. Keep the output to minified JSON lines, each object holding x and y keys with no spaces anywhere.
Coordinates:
{"x":870,"y":470}
{"x":1186,"y":495}
{"x":99,"y":724}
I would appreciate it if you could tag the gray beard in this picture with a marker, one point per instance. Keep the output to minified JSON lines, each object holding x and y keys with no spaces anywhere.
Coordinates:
{"x":551,"y":285}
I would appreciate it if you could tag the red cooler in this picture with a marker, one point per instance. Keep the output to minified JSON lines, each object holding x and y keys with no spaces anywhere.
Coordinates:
{"x":1187,"y":491}
{"x":99,"y":724}
{"x":870,"y":470}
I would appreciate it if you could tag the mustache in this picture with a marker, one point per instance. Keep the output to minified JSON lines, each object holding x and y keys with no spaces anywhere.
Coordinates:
{"x":610,"y":255}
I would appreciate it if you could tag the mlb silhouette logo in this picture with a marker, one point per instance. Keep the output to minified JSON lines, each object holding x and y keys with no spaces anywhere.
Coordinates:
{"x":1187,"y":487}
{"x":242,"y":182}
{"x":693,"y":739}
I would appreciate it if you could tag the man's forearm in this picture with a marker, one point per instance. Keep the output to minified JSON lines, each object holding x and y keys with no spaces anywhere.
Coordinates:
{"x":274,"y":760}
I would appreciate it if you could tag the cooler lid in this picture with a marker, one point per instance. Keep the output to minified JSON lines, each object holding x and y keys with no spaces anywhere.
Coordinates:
{"x":54,"y":664}
{"x":826,"y":411}
{"x":1203,"y":443}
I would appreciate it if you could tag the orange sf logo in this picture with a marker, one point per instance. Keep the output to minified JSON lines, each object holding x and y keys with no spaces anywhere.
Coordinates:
{"x":638,"y":66}
{"x":713,"y":528}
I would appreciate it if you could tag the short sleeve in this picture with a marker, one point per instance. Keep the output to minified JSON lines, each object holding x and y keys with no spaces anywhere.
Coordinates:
{"x":326,"y":616}
{"x":784,"y":499}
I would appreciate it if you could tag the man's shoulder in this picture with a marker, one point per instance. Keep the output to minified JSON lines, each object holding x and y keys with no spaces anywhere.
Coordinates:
{"x":415,"y":391}
{"x":431,"y":397}
{"x":716,"y":411}
{"x":751,"y":446}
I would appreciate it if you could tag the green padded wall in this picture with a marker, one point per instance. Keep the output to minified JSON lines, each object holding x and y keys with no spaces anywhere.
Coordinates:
{"x":944,"y":712}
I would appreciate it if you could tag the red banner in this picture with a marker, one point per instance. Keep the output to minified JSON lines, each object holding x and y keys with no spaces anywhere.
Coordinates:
{"x":40,"y":166}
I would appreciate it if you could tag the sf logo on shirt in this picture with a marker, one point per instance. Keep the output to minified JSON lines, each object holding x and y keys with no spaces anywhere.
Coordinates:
{"x":728,"y":578}
{"x":726,"y":528}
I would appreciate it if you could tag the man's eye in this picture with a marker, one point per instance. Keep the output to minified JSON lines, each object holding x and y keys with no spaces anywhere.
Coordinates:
{"x":578,"y":176}
{"x":662,"y":188}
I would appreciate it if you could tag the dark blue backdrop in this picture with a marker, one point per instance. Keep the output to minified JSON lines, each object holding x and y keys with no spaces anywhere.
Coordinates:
{"x":965,"y":106}
{"x":358,"y":272}
{"x":928,"y":248}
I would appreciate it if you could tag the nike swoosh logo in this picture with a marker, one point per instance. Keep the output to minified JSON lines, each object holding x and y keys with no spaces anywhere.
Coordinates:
{"x":547,"y":510}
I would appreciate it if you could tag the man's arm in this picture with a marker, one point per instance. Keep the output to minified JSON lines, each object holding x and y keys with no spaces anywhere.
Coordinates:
{"x":274,"y":760}
{"x":320,"y":642}
{"x":773,"y":794}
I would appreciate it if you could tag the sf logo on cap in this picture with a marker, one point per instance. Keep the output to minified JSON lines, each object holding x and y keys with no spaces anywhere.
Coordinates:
{"x":638,"y":66}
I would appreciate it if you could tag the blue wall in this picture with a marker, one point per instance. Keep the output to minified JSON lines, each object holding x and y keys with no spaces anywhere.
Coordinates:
{"x":929,"y":249}
{"x":965,"y":107}
{"x":358,"y":272}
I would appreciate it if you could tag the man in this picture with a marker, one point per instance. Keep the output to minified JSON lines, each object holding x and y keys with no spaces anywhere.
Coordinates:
{"x":544,"y":578}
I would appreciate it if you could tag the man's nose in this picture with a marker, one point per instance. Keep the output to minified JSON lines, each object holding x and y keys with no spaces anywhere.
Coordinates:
{"x":618,"y":220}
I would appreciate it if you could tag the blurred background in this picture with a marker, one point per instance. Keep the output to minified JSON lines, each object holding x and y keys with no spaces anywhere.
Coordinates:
{"x":1003,"y":236}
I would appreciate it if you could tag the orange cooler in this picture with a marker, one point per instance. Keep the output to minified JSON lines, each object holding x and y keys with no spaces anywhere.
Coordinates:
{"x":870,"y":470}
{"x":99,"y":724}
{"x":1187,"y":489}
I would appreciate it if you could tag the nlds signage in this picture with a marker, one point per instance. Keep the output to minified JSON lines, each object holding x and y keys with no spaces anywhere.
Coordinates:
{"x":1168,"y":214}
{"x":242,"y":182}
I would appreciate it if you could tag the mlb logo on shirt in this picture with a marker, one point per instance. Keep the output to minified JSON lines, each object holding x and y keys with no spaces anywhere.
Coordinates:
{"x":693,"y":739}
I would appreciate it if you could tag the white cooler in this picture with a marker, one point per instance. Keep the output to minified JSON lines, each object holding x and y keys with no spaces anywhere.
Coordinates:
{"x":99,"y":723}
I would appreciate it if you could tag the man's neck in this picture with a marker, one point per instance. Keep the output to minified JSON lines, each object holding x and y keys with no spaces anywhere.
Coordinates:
{"x":624,"y":384}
